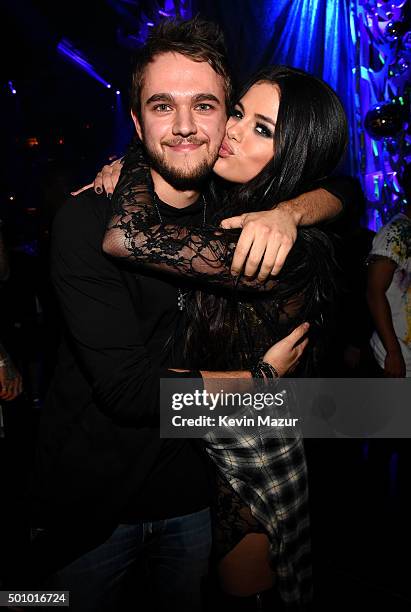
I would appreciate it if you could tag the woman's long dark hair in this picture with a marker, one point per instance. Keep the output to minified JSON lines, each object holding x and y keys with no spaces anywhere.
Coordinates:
{"x":309,"y":141}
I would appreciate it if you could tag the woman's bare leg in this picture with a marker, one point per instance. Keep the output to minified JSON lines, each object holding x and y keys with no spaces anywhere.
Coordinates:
{"x":246,"y":570}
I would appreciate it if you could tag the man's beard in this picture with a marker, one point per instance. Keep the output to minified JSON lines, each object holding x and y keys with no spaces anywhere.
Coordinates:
{"x":180,"y":178}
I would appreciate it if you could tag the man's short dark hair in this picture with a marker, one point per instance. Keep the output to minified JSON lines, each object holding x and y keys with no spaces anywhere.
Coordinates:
{"x":197,"y":39}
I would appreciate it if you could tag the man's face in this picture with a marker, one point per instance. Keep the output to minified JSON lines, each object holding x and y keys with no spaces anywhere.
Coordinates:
{"x":183,"y":118}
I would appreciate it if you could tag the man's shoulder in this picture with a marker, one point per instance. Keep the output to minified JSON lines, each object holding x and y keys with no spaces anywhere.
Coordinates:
{"x":77,"y":235}
{"x":85,"y":205}
{"x":86,"y":211}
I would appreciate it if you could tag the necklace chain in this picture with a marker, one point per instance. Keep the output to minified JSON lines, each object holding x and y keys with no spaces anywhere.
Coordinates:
{"x":181,"y":295}
{"x":156,"y":199}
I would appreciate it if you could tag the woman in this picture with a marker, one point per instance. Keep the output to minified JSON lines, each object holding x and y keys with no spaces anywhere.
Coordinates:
{"x":287,"y":131}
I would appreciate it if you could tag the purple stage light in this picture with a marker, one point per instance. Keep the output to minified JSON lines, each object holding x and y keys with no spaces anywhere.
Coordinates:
{"x":118,"y":92}
{"x":66,"y":48}
{"x":12,"y":88}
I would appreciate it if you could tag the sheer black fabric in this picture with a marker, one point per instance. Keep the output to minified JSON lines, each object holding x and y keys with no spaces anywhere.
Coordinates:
{"x":232,"y":518}
{"x":232,"y":320}
{"x":137,"y":233}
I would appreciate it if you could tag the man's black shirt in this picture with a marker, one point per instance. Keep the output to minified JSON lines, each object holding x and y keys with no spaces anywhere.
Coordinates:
{"x":100,"y":456}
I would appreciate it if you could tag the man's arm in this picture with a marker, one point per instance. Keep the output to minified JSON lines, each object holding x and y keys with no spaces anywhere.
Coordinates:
{"x":312,"y":207}
{"x":284,"y":355}
{"x":380,"y":274}
{"x":104,"y":328}
{"x":101,"y":320}
{"x":100,"y":317}
{"x":268,"y":236}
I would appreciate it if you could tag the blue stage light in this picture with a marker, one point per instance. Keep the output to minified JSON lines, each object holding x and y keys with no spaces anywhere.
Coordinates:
{"x":66,"y":48}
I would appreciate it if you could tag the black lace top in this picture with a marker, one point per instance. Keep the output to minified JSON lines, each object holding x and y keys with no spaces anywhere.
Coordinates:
{"x":303,"y":291}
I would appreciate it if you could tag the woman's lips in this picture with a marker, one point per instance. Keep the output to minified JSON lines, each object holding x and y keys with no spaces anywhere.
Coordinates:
{"x":225,"y":150}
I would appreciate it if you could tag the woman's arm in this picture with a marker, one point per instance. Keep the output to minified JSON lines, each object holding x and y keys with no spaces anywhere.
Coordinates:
{"x":267,"y":236}
{"x":202,"y":253}
{"x":136,"y":233}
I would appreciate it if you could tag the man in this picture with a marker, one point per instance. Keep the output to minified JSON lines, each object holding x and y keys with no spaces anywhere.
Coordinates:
{"x":106,"y":482}
{"x":389,"y":292}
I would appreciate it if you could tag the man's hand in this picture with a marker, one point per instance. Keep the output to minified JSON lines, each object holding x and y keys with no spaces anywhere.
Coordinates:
{"x":10,"y":380}
{"x":394,"y":365}
{"x":267,"y":237}
{"x":265,"y":241}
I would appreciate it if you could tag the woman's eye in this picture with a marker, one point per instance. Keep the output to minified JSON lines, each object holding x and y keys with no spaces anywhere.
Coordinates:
{"x":263,"y":130}
{"x":236,"y":113}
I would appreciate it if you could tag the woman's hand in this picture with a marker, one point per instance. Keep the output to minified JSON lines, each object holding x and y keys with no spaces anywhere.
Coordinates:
{"x":106,"y":180}
{"x":285,"y":354}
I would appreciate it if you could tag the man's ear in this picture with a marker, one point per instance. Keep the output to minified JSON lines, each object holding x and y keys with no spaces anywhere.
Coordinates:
{"x":137,"y":125}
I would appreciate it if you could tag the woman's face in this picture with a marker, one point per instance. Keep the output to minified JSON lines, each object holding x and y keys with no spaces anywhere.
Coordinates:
{"x":249,"y":141}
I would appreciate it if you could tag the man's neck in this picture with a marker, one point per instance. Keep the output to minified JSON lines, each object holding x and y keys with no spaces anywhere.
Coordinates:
{"x":170,"y":195}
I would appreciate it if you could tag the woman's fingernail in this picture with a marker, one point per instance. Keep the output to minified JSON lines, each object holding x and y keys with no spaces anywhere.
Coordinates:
{"x":99,"y":190}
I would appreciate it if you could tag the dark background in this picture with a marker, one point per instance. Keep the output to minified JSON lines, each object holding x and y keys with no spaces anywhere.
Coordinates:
{"x":57,"y":131}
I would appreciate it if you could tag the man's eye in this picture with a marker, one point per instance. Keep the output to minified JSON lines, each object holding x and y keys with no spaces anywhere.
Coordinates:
{"x":263,"y":130}
{"x":162,"y":107}
{"x":204,"y":107}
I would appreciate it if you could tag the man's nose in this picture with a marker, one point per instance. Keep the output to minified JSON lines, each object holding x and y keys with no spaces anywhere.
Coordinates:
{"x":184,"y":124}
